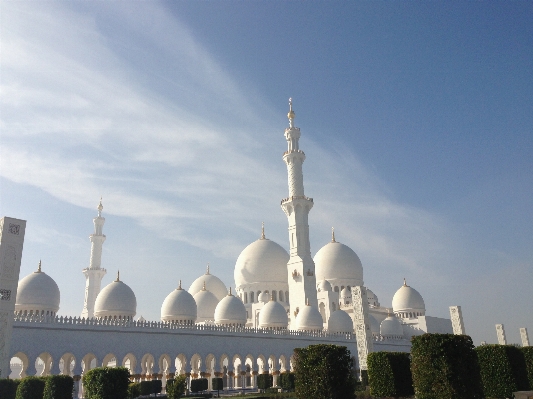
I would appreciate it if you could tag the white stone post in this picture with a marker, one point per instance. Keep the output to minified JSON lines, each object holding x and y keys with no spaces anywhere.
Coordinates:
{"x":456,"y":316}
{"x":363,"y":333}
{"x":11,"y":242}
{"x":500,"y":332}
{"x":524,"y":336}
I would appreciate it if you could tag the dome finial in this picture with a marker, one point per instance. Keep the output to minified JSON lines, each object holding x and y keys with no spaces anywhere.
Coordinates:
{"x":291,"y":115}
{"x":263,"y":230}
{"x":179,"y":286}
{"x":333,"y":234}
{"x":118,"y":276}
{"x":307,"y":301}
{"x":203,"y":288}
{"x":207,"y":271}
{"x":272,"y":296}
{"x":230,"y":294}
{"x":404,"y":282}
{"x":39,"y":267}
{"x":100,"y":207}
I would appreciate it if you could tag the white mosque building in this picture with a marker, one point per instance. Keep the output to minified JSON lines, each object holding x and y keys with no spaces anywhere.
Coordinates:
{"x":282,"y":300}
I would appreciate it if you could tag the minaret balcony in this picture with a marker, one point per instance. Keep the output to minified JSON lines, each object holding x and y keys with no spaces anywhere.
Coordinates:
{"x":296,"y":197}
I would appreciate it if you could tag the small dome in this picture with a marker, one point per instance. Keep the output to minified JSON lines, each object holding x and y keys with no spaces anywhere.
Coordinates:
{"x":340,"y":322}
{"x":37,"y":293}
{"x":116,"y":300}
{"x":230,"y":311}
{"x":391,"y":327}
{"x":309,"y":319}
{"x":264,"y":297}
{"x":374,"y":325}
{"x":338,"y":263}
{"x":179,"y":306}
{"x":372,"y":298}
{"x":264,"y":262}
{"x":273,"y":315}
{"x":324,"y":285}
{"x":408,"y":300}
{"x":206,"y":303}
{"x":212,"y":283}
{"x":346,"y":293}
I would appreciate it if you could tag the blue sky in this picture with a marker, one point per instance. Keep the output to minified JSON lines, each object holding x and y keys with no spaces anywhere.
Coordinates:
{"x":416,"y":118}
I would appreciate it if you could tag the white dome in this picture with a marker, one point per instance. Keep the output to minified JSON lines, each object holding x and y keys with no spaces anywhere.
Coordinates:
{"x":374,"y":325}
{"x":179,"y":306}
{"x":212,"y":283}
{"x":273,"y":315}
{"x":206,"y":303}
{"x":309,"y":319}
{"x":340,"y":322}
{"x":338,"y":263}
{"x":230,"y":311}
{"x":263,"y":261}
{"x":324,"y":285}
{"x":264,"y":297}
{"x":408,"y":300}
{"x":346,"y":293}
{"x":391,"y":327}
{"x":116,"y":300}
{"x":37,"y":293}
{"x":372,"y":298}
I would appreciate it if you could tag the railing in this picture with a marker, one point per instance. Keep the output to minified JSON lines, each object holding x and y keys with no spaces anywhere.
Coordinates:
{"x":296,"y":197}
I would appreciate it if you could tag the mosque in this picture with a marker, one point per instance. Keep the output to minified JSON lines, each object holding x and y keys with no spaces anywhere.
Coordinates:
{"x":282,"y":300}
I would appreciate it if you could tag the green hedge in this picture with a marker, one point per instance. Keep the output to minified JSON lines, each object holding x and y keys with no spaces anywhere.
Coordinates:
{"x":8,"y":388}
{"x":58,"y":387}
{"x":134,"y":390}
{"x":324,"y":372}
{"x":106,"y":383}
{"x":31,"y":388}
{"x":503,"y":370}
{"x":445,"y":366}
{"x":146,"y":388}
{"x":199,"y":384}
{"x":217,"y":383}
{"x":265,"y":381}
{"x":390,"y":374}
{"x":176,"y":387}
{"x":528,"y":358}
{"x":287,"y":381}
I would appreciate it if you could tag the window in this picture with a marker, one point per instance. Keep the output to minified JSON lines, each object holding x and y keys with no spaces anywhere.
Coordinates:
{"x":281,"y":296}
{"x":245,"y":297}
{"x":252,"y":297}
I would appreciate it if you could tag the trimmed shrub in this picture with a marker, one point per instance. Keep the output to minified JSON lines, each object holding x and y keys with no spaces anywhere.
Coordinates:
{"x":106,"y":383}
{"x":58,"y":387}
{"x":176,"y":387}
{"x":217,"y":383}
{"x":324,"y":372}
{"x":287,"y":381}
{"x":8,"y":388}
{"x":503,"y":370}
{"x":389,"y":374}
{"x":31,"y":388}
{"x":445,"y":366}
{"x":146,"y":388}
{"x":528,"y":358}
{"x":265,"y":381}
{"x":134,"y":390}
{"x":199,"y":384}
{"x":157,"y":386}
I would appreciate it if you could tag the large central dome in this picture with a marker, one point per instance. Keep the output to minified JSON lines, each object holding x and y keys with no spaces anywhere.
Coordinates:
{"x":263,"y":261}
{"x":338,"y":264}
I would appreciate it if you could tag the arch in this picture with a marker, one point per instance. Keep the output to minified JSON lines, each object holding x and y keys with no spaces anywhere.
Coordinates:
{"x":349,"y":289}
{"x":281,"y":296}
{"x":67,"y":362}
{"x":322,"y":310}
{"x":223,"y":362}
{"x":287,"y":296}
{"x":342,"y":287}
{"x":282,"y":363}
{"x":336,"y":289}
{"x":147,"y":364}
{"x":291,"y":362}
{"x":181,"y":364}
{"x":88,"y":362}
{"x":252,"y":299}
{"x":109,"y":360}
{"x":196,"y":364}
{"x":258,"y":295}
{"x":164,"y":364}
{"x":274,"y":295}
{"x":24,"y":362}
{"x":262,"y":364}
{"x":245,"y":297}
{"x":43,"y":364}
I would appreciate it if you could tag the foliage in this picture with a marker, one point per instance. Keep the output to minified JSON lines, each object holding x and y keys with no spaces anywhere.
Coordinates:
{"x":157,"y":386}
{"x":106,"y":383}
{"x":199,"y":384}
{"x":58,"y":387}
{"x":528,"y":358}
{"x":390,"y":374}
{"x":217,"y":383}
{"x":265,"y":381}
{"x":287,"y":381}
{"x":445,"y":366}
{"x":503,"y":370}
{"x":146,"y":388}
{"x":31,"y":388}
{"x":8,"y":388}
{"x":134,"y":390}
{"x":324,"y":372}
{"x":176,"y":387}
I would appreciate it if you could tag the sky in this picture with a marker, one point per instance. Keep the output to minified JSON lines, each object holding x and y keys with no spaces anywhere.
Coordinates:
{"x":416,"y":121}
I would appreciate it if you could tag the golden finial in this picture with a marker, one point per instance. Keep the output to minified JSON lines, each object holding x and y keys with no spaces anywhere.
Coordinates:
{"x":230,"y":294}
{"x":307,"y":301}
{"x":272,"y":296}
{"x":100,"y":207}
{"x":179,"y":286}
{"x":203,"y":288}
{"x":118,"y":275}
{"x":333,"y":234}
{"x":291,"y":114}
{"x":263,"y":230}
{"x":207,"y":271}
{"x":39,"y":267}
{"x":404,"y":282}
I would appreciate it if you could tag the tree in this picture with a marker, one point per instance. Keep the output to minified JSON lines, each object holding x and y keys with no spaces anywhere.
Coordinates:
{"x":324,"y":372}
{"x":31,"y":388}
{"x":176,"y":387}
{"x":106,"y":383}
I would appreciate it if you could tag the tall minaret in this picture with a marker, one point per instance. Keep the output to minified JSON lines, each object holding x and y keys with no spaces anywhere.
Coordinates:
{"x":94,"y":273}
{"x":301,"y":268}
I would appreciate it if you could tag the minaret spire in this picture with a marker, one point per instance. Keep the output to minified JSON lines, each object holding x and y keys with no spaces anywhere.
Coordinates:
{"x":301,"y":268}
{"x":333,"y":234}
{"x":94,"y":273}
{"x":263,"y":231}
{"x":39,"y":267}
